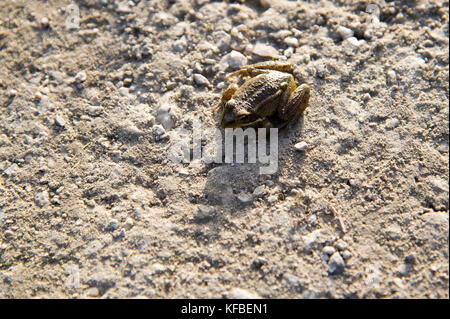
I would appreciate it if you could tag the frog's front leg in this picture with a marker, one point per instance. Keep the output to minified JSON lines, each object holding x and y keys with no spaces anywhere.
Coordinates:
{"x":294,"y":103}
{"x":226,"y":96}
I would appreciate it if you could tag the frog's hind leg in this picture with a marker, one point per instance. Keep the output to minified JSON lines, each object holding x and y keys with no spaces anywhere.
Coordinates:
{"x":255,"y":69}
{"x":226,"y":96}
{"x":296,"y":103}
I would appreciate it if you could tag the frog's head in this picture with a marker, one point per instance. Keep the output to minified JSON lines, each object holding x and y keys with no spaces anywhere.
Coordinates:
{"x":233,"y":116}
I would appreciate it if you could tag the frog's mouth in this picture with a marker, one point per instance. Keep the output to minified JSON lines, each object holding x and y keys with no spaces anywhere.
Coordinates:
{"x":231,"y":120}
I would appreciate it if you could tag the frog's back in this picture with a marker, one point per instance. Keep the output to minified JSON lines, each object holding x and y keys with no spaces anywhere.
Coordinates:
{"x":259,"y":88}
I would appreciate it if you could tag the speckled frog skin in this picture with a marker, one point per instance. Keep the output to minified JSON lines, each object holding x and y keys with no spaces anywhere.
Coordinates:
{"x":268,"y":98}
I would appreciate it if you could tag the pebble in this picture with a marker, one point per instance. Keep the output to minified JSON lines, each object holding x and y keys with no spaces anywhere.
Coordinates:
{"x":336,"y":264}
{"x":128,"y":129}
{"x":301,"y":146}
{"x":222,"y":40}
{"x":124,"y":91}
{"x":93,"y":110}
{"x":158,"y":268}
{"x":344,"y":32}
{"x":346,"y":254}
{"x":291,"y":41}
{"x":288,"y":52}
{"x":113,"y":225}
{"x":233,"y":60}
{"x":159,"y":131}
{"x":201,"y":80}
{"x":321,"y":70}
{"x":327,"y":251}
{"x":11,"y":170}
{"x":245,"y":198}
{"x":392,"y":123}
{"x":239,"y":293}
{"x":341,"y":245}
{"x":260,"y":191}
{"x":180,"y":45}
{"x":272,"y":199}
{"x":439,"y":185}
{"x":45,"y":22}
{"x":264,"y":50}
{"x":166,"y":114}
{"x":205,"y":213}
{"x":59,"y":121}
{"x":41,"y":199}
{"x":80,"y":77}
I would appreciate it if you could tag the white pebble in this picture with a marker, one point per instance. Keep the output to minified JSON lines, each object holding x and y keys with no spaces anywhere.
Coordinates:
{"x":234,"y":59}
{"x":291,"y":41}
{"x":200,"y":79}
{"x":344,"y":32}
{"x":302,"y":146}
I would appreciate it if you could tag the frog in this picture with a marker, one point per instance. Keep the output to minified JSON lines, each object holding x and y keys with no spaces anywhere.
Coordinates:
{"x":268,"y":98}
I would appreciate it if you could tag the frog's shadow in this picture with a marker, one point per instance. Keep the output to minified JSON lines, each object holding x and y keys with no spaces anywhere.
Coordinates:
{"x":243,"y":178}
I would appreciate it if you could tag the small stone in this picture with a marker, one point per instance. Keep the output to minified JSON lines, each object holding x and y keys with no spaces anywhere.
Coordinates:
{"x":291,"y":41}
{"x":94,"y":110}
{"x":158,"y":130}
{"x":45,"y":22}
{"x":439,"y":185}
{"x":11,"y":170}
{"x":346,"y":254}
{"x":124,"y":91}
{"x":233,"y":60}
{"x":167,"y":115}
{"x":341,"y":245}
{"x":321,"y":70}
{"x":327,"y":251}
{"x":264,"y":50}
{"x":205,"y":213}
{"x":59,"y":121}
{"x":336,"y":264}
{"x":92,"y":292}
{"x":344,"y":32}
{"x":158,"y":268}
{"x":245,"y":198}
{"x":392,"y":123}
{"x":113,"y":225}
{"x":180,"y":45}
{"x":80,"y":77}
{"x":410,"y":259}
{"x":201,"y":80}
{"x":128,"y":129}
{"x":288,"y":52}
{"x":260,"y":191}
{"x":41,"y":199}
{"x":258,"y":263}
{"x":301,"y":146}
{"x":222,"y":40}
{"x":272,"y":199}
{"x":238,"y":293}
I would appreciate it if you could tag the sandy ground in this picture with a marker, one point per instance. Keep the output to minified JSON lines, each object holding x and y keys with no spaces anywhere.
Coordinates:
{"x":92,"y":206}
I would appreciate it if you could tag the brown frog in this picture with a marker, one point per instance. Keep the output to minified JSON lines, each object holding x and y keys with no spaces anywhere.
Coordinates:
{"x":269,"y":97}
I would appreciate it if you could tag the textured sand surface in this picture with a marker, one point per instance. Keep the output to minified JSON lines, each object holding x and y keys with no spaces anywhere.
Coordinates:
{"x":92,"y":206}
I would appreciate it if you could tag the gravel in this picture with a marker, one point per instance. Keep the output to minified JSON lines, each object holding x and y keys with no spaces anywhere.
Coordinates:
{"x":90,"y":112}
